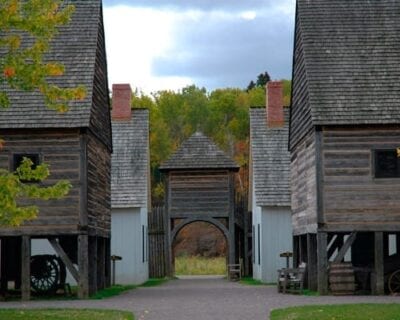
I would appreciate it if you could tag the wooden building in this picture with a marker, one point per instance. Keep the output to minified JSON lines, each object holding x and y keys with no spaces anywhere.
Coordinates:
{"x":200,"y":187}
{"x":270,"y":185}
{"x":77,"y":145}
{"x":130,"y":187}
{"x":345,"y":137}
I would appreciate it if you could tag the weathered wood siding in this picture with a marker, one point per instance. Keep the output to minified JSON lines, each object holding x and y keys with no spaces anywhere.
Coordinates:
{"x":100,"y":122}
{"x":300,"y":109}
{"x":304,"y":186}
{"x":61,"y":150}
{"x":98,"y":187}
{"x":199,"y":193}
{"x":353,"y":198}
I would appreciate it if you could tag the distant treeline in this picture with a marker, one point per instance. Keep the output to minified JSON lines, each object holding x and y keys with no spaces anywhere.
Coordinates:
{"x":223,"y":115}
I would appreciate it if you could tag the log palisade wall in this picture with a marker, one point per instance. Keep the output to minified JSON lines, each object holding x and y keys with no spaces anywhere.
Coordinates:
{"x":353,"y":198}
{"x":304,"y":195}
{"x":199,"y":193}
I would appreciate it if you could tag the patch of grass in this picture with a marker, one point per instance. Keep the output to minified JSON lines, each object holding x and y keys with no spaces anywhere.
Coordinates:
{"x":112,"y":291}
{"x":310,"y":293}
{"x":196,"y":265}
{"x":153,"y":282}
{"x":339,"y":312}
{"x":64,"y":314}
{"x":251,"y":282}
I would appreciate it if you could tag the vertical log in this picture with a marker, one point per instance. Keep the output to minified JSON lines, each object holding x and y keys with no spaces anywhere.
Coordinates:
{"x":295,"y":251}
{"x":93,"y":264}
{"x":312,"y":262}
{"x":107,"y":262}
{"x":26,"y":268}
{"x":322,"y":263}
{"x":83,"y":263}
{"x":231,"y":240}
{"x":379,"y":270}
{"x":3,"y":274}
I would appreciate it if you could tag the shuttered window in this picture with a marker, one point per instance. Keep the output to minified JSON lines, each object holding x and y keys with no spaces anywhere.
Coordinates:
{"x":387,"y":164}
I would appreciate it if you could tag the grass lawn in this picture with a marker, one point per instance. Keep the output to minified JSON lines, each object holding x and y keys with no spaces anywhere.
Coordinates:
{"x":64,"y":314}
{"x":339,"y":312}
{"x":195,"y":265}
{"x":251,"y":282}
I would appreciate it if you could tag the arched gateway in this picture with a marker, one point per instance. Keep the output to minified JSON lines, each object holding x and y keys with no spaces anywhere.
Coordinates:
{"x":200,"y":187}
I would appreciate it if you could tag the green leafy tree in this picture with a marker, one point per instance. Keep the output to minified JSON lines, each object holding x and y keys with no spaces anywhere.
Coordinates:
{"x":22,"y":185}
{"x":27,"y":28}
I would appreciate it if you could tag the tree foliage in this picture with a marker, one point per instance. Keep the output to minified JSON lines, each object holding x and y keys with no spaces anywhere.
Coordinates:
{"x":27,"y":28}
{"x":222,"y":114}
{"x":23,"y":184}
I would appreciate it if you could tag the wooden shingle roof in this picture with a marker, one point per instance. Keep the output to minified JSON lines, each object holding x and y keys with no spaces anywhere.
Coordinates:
{"x":349,"y":54}
{"x":270,"y":160}
{"x":75,"y":47}
{"x":130,"y":161}
{"x":199,"y":152}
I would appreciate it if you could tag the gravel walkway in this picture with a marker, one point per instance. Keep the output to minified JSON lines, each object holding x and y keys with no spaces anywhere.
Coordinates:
{"x":201,"y":299}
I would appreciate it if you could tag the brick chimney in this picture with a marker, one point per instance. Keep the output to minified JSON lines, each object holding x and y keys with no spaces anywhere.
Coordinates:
{"x":275,"y":117}
{"x":121,"y":102}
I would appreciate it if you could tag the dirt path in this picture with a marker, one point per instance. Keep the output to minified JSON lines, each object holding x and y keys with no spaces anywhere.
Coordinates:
{"x":200,"y":299}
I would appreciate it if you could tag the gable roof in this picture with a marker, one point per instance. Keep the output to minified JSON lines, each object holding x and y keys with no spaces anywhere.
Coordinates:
{"x":270,"y":160}
{"x":199,"y":152}
{"x":130,"y":161}
{"x":75,"y":46}
{"x":351,"y":53}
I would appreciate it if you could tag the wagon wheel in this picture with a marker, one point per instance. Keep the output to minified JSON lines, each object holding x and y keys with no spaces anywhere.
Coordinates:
{"x":44,"y":273}
{"x":394,"y":282}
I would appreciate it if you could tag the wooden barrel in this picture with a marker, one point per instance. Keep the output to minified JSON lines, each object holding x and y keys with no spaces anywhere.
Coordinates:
{"x":341,"y":278}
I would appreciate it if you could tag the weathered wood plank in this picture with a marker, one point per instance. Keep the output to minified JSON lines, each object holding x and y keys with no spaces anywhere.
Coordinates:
{"x":83,"y":264}
{"x":379,"y":264}
{"x":322,"y":263}
{"x":346,"y":246}
{"x":64,"y":257}
{"x":26,"y":268}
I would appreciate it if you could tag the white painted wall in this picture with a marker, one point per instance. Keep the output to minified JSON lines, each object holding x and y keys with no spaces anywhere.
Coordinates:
{"x":256,"y":218}
{"x":127,"y":242}
{"x":276,"y":235}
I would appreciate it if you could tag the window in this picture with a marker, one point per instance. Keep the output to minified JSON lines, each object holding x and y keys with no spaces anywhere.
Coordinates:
{"x":145,"y":244}
{"x":254,"y":245}
{"x":387,"y":163}
{"x":259,"y":244}
{"x":20,"y":156}
{"x":17,"y":160}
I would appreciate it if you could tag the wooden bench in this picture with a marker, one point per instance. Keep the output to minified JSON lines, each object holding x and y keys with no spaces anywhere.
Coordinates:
{"x":290,"y":280}
{"x":234,"y":271}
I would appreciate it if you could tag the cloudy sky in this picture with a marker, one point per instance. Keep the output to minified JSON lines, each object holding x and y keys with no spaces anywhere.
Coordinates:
{"x":168,"y":44}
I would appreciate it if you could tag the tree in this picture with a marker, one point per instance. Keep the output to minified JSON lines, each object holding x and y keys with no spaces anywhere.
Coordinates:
{"x":262,"y":79}
{"x":27,"y":28}
{"x":24,"y":184}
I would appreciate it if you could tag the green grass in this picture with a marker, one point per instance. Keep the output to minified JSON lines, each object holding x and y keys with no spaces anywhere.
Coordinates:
{"x":196,"y":265}
{"x":64,"y":314}
{"x":112,"y":291}
{"x":251,"y":282}
{"x":153,"y":282}
{"x":339,"y":312}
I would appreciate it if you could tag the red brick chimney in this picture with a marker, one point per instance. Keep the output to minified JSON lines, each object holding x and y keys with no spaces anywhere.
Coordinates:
{"x":121,"y":102}
{"x":275,"y":117}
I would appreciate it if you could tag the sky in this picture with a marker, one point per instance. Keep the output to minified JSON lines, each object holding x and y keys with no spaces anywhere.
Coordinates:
{"x":169,"y":44}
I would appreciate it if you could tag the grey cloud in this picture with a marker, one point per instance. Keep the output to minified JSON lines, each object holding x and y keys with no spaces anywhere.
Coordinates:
{"x":219,"y":54}
{"x":231,"y":5}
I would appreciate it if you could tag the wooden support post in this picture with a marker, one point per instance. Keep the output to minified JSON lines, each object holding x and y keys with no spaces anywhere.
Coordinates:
{"x":83,"y":263}
{"x":108,"y":262}
{"x":379,"y":270}
{"x":342,"y":251}
{"x":312,"y":262}
{"x":322,"y":262}
{"x":3,"y":274}
{"x":64,"y":257}
{"x":26,"y":268}
{"x":295,"y":251}
{"x":92,"y":264}
{"x":101,"y":263}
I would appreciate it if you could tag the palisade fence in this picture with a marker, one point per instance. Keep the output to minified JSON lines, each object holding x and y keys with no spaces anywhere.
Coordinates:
{"x":157,"y":242}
